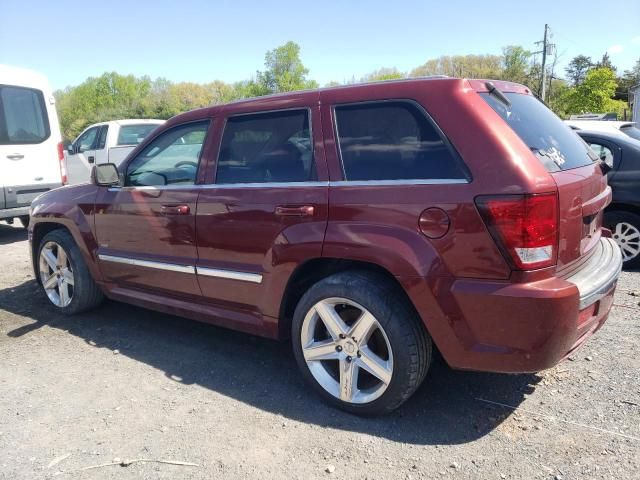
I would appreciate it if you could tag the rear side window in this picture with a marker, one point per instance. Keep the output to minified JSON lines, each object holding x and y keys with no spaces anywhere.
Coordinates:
{"x":134,"y":134}
{"x":554,"y":143}
{"x":23,"y":116}
{"x":267,"y":148}
{"x":393,"y":141}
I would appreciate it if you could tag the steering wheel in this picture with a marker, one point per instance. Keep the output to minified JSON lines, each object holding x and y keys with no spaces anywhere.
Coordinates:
{"x":186,"y":163}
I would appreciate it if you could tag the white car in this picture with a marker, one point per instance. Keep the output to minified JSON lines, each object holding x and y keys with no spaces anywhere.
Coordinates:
{"x":607,"y":126}
{"x":31,"y":151}
{"x":106,"y":142}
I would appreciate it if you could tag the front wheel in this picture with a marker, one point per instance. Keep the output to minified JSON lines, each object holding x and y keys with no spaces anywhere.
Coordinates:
{"x":359,"y":343}
{"x":64,"y":276}
{"x":625,"y":227}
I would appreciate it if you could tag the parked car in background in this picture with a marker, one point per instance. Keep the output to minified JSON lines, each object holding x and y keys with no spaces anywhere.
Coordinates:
{"x":31,"y":157}
{"x":629,"y":129}
{"x":106,"y":142}
{"x":622,"y":217}
{"x":366,"y":223}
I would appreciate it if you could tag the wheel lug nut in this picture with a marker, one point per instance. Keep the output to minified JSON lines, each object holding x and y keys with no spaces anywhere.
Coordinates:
{"x":342,"y":336}
{"x":359,"y":354}
{"x":349,"y":358}
{"x":338,"y":348}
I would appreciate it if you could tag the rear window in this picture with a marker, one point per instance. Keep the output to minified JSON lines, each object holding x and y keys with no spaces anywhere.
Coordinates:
{"x":393,"y":140}
{"x":23,"y":116}
{"x":554,"y":143}
{"x":134,"y":134}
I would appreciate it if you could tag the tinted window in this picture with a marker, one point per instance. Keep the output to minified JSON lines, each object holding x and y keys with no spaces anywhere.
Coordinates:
{"x":134,"y":134}
{"x":393,"y":141}
{"x":23,"y":116}
{"x":270,"y":147}
{"x":102,"y":137}
{"x":171,"y":158}
{"x":87,"y":140}
{"x":554,"y":143}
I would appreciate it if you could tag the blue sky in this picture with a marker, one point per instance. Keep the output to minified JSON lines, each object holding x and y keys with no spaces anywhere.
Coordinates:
{"x":202,"y":40}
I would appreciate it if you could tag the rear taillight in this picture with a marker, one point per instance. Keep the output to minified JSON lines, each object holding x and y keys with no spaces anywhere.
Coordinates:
{"x":524,"y":226}
{"x":63,"y":166}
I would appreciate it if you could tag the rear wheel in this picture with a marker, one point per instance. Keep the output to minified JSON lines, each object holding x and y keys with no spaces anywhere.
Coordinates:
{"x":625,"y":227}
{"x":64,"y":276}
{"x":359,"y":343}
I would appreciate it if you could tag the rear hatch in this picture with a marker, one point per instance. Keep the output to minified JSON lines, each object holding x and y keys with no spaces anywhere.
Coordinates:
{"x":582,"y":188}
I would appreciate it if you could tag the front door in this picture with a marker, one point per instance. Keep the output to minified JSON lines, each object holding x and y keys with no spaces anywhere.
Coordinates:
{"x":266,"y":211}
{"x":81,"y":158}
{"x":146,"y":229}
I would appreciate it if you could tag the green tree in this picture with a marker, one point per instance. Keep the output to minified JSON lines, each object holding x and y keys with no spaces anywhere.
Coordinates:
{"x":284,"y":72}
{"x":594,"y":94}
{"x":470,"y":66}
{"x":578,"y":68}
{"x":605,"y":62}
{"x":384,"y":73}
{"x":515,"y":64}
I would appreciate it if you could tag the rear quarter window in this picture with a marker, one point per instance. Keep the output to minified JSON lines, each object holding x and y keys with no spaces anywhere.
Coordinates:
{"x":555,"y":144}
{"x":23,"y":116}
{"x":393,"y":140}
{"x":134,"y":134}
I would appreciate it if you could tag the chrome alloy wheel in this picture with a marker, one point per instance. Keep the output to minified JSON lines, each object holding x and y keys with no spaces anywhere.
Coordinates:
{"x":56,"y":274}
{"x":628,"y":239}
{"x":347,"y":350}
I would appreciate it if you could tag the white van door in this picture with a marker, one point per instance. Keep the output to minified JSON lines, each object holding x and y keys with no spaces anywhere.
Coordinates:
{"x":81,"y":161}
{"x":27,"y":146}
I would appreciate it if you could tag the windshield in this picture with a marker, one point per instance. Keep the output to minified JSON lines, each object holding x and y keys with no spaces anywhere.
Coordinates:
{"x":632,"y":130}
{"x":554,"y":143}
{"x":134,"y":134}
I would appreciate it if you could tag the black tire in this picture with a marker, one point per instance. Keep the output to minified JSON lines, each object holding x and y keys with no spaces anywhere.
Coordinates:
{"x":615,"y":218}
{"x":409,"y":340}
{"x":86,"y":294}
{"x":24,"y":220}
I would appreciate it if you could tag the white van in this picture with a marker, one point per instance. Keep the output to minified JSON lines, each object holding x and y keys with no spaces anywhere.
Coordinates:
{"x":31,"y":151}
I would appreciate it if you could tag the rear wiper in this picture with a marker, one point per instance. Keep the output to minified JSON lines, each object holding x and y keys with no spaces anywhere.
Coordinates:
{"x":495,"y":91}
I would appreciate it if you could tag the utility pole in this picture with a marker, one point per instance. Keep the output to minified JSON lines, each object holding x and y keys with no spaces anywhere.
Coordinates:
{"x":543,"y":86}
{"x":547,"y":49}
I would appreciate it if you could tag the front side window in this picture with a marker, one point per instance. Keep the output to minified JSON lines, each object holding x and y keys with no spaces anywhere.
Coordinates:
{"x":264,"y":148}
{"x":170,"y":159}
{"x":87,"y":140}
{"x":393,"y":140}
{"x":23,"y":116}
{"x":603,"y":152}
{"x":134,"y":134}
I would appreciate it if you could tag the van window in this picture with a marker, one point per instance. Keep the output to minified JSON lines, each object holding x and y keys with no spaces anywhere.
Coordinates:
{"x":264,"y":148}
{"x":23,"y":116}
{"x":134,"y":134}
{"x":553,"y":142}
{"x":393,"y":140}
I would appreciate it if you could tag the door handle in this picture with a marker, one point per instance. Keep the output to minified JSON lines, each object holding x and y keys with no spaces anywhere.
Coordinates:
{"x":91,"y":159}
{"x":302,"y":211}
{"x":15,"y":156}
{"x":175,"y":210}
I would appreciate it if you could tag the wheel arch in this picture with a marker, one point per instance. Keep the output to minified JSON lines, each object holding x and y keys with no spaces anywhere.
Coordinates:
{"x":316,"y":269}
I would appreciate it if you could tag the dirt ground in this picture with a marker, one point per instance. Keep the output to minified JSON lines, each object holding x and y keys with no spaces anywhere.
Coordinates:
{"x":121,"y":384}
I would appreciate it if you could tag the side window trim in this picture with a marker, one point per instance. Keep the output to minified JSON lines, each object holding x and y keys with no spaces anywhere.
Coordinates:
{"x":124,"y":168}
{"x":314,"y":164}
{"x":464,"y":169}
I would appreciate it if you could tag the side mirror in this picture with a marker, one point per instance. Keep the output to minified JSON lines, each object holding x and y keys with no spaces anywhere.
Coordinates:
{"x":105,"y":175}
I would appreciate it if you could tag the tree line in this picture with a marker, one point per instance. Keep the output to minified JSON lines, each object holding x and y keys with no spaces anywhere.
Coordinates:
{"x":590,"y":86}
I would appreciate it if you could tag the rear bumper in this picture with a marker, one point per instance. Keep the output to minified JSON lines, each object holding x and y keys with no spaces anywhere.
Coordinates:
{"x":523,"y":327}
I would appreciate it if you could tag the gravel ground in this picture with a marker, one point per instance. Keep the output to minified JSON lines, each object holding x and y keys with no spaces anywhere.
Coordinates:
{"x":122,"y":383}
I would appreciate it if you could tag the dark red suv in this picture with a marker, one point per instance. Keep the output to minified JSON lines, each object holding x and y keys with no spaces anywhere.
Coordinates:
{"x":368,"y":224}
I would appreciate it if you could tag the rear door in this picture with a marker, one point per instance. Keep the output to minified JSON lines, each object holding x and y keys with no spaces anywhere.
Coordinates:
{"x":80,"y":162}
{"x":27,"y":149}
{"x":267,"y":210}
